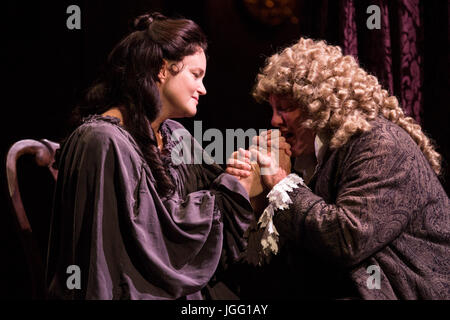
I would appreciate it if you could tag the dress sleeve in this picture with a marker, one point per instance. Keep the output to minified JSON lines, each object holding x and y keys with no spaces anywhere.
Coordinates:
{"x":236,"y":215}
{"x":179,"y":243}
{"x":198,"y":173}
{"x":220,"y":191}
{"x":373,"y":205}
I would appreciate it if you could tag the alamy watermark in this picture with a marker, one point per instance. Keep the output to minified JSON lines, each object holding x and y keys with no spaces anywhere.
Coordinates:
{"x":189,"y":151}
{"x":374,"y":20}
{"x":74,"y":20}
{"x":374,"y":280}
{"x":74,"y":279}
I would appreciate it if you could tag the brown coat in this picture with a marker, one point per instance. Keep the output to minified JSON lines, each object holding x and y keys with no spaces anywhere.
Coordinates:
{"x":375,"y":202}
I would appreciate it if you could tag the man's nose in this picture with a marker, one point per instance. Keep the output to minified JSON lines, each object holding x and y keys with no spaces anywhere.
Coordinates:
{"x":277,"y":120}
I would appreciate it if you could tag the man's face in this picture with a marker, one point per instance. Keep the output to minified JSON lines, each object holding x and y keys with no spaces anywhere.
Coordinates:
{"x":288,"y":116}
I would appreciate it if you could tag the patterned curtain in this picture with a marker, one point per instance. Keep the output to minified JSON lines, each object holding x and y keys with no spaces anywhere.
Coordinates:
{"x":391,"y":52}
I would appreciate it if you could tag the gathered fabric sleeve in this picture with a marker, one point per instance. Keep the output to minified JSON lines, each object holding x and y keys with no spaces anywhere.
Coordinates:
{"x":375,"y":198}
{"x":231,"y":203}
{"x":237,"y":216}
{"x":199,"y":174}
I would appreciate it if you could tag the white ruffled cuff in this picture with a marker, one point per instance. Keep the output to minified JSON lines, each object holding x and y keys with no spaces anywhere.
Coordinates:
{"x":278,"y":200}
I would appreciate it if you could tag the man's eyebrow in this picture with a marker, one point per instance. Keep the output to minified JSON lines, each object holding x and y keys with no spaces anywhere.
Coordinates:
{"x":286,"y":107}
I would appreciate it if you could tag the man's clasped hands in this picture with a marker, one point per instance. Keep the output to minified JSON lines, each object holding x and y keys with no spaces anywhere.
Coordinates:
{"x":267,"y":162}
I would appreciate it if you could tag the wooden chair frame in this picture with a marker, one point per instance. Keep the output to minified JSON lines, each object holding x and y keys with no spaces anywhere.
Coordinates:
{"x":44,"y":151}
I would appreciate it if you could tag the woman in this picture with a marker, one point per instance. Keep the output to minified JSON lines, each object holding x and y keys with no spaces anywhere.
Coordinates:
{"x":363,"y":214}
{"x":137,"y":225}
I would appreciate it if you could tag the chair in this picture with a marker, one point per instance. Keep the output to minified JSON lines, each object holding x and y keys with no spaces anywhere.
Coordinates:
{"x":44,"y":153}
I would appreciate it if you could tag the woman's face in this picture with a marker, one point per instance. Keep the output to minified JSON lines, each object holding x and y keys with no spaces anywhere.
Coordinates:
{"x":287,"y":117}
{"x":180,"y":92}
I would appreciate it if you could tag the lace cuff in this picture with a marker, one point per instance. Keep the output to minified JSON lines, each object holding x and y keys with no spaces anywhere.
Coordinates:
{"x":278,"y":200}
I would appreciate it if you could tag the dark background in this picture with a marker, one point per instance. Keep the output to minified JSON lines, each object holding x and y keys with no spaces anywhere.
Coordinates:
{"x":48,"y":67}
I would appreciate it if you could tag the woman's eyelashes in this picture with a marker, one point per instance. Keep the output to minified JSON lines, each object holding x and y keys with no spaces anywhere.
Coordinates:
{"x":198,"y":73}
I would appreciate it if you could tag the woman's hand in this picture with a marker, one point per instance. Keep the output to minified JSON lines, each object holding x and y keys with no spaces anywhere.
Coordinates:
{"x":247,"y":172}
{"x":273,"y":155}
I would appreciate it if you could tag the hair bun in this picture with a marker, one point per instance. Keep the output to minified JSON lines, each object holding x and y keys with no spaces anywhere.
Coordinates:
{"x":142,"y":22}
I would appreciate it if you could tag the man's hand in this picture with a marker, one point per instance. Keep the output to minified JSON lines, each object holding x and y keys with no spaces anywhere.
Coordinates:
{"x":272,"y":153}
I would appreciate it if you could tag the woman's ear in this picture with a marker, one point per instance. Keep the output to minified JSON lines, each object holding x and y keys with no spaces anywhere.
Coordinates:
{"x":164,"y":72}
